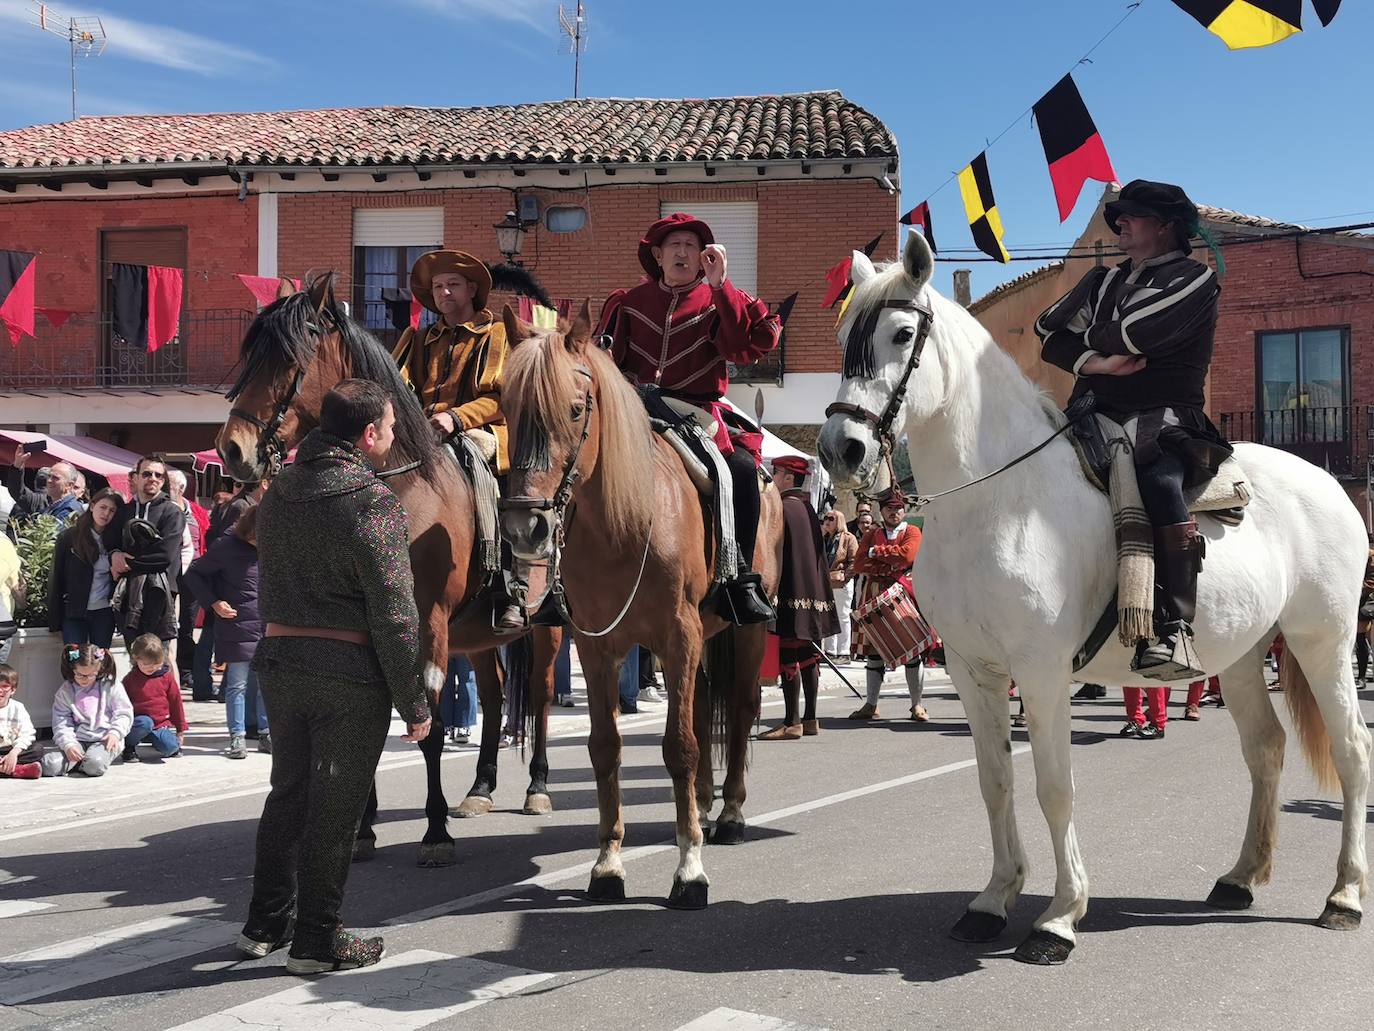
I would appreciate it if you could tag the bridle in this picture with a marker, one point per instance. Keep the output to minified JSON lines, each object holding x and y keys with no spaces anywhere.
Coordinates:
{"x":882,"y":424}
{"x":557,"y":506}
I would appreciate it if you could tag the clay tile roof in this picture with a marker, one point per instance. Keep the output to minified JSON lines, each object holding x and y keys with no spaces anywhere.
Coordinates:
{"x":1225,"y":217}
{"x":592,"y":131}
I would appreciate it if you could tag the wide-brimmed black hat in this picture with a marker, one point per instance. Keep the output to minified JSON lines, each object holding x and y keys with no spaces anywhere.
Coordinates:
{"x":1164,"y":201}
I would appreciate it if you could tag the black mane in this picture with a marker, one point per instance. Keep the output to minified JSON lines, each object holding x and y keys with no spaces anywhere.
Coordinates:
{"x":284,"y":337}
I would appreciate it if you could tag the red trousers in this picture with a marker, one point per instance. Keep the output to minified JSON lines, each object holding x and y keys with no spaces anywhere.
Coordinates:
{"x":1156,"y":703}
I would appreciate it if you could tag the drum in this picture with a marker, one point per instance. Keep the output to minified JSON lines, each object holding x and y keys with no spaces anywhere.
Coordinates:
{"x":893,"y":626}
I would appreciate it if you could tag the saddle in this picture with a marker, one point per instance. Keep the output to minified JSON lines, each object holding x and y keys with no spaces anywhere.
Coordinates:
{"x":1223,"y":496}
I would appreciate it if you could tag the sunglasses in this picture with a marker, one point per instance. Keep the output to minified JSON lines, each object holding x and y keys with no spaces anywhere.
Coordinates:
{"x":149,"y":475}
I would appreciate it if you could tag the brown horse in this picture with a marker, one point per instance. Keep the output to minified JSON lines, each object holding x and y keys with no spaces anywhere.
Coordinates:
{"x":595,"y":491}
{"x":295,"y":351}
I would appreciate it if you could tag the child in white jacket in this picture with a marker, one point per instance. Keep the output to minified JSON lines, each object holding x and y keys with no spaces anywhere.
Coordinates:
{"x":91,"y":714}
{"x":16,"y":730}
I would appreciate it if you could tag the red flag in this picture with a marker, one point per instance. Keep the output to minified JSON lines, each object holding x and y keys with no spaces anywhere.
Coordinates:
{"x":263,"y":288}
{"x":1073,"y":148}
{"x":16,"y":293}
{"x":416,"y":310}
{"x":920,"y":216}
{"x":164,"y":305}
{"x":57,"y":317}
{"x":837,"y":276}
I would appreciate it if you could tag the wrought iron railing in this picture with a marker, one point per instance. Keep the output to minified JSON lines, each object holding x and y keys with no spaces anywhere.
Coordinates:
{"x":1335,"y":438}
{"x":768,"y":369}
{"x":85,"y":352}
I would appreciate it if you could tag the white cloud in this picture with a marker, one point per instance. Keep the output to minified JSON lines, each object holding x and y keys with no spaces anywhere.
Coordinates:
{"x":53,"y":104}
{"x":540,"y":15}
{"x":154,"y":44}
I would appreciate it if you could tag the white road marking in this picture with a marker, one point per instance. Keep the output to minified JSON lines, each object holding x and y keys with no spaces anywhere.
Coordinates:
{"x":401,"y":993}
{"x":724,"y":1019}
{"x":579,"y":870}
{"x":18,"y":908}
{"x":106,"y":954}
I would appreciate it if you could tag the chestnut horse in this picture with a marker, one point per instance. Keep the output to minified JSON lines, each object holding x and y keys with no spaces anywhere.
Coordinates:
{"x":595,"y":492}
{"x":295,"y":351}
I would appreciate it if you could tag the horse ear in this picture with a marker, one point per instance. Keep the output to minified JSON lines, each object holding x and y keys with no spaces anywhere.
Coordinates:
{"x":580,"y":332}
{"x":285,"y":288}
{"x":917,"y":259}
{"x":321,"y":289}
{"x":516,"y":328}
{"x":861,"y":269}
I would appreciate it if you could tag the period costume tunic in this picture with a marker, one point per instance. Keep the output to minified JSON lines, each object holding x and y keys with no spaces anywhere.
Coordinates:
{"x":893,"y":552}
{"x":806,"y":604}
{"x":332,"y":542}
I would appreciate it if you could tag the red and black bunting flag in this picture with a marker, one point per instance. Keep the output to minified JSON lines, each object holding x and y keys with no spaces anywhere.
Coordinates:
{"x":1326,"y":10}
{"x":837,"y":276}
{"x":1073,"y":148}
{"x":920,"y":216}
{"x":1250,"y":23}
{"x":147,"y":303}
{"x":16,"y":293}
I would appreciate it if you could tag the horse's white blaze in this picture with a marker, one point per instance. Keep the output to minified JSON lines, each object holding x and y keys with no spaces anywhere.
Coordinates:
{"x":1015,"y":572}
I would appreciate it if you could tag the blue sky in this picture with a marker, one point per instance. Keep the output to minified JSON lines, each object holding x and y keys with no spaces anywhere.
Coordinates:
{"x":1279,"y":131}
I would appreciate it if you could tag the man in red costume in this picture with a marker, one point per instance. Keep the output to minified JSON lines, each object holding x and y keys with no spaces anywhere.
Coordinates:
{"x":675,"y":332}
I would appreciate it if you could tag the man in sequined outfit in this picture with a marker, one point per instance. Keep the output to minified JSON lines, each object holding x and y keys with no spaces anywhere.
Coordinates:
{"x":341,"y":648}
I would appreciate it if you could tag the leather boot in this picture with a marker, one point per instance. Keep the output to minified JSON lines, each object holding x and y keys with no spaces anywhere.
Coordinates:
{"x":1178,"y":560}
{"x":507,"y":615}
{"x":547,"y":614}
{"x":743,"y":602}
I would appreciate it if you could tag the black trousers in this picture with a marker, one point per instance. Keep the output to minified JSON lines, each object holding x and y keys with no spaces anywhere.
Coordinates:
{"x":1161,"y":490}
{"x":327,"y":736}
{"x":188,"y":607}
{"x":744,"y":479}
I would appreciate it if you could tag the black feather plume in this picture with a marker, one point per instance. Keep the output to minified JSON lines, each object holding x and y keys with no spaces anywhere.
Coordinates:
{"x":518,"y":280}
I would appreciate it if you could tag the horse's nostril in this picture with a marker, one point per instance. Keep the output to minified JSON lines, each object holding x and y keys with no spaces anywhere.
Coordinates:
{"x":854,"y":453}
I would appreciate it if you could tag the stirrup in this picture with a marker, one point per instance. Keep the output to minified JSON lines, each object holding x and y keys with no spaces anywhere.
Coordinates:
{"x":548,"y":613}
{"x":1172,"y":658}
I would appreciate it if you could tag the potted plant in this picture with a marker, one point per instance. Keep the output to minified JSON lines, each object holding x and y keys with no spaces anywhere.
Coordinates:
{"x":34,"y":650}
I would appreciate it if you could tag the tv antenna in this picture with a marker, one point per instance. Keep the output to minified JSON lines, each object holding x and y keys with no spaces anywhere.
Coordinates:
{"x":84,"y":36}
{"x":575,"y":29}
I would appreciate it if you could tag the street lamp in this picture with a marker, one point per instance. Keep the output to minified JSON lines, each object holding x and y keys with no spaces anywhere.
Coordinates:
{"x":510,"y":236}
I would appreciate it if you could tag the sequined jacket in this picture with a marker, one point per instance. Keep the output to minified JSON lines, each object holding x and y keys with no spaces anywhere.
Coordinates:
{"x":333,"y":552}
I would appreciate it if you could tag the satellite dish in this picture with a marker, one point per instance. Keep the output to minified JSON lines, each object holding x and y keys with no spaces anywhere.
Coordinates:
{"x":758,"y":405}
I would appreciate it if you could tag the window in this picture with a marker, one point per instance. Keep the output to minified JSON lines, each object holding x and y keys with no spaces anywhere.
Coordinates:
{"x":735,"y":225}
{"x":1303,"y":384}
{"x":386,"y":244}
{"x":565,"y":219}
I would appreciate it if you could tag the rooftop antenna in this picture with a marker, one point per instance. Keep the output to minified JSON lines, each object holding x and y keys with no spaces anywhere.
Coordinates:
{"x":84,"y":36}
{"x":576,"y":31}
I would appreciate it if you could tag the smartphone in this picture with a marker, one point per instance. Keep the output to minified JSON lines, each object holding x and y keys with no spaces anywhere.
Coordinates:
{"x":34,"y":446}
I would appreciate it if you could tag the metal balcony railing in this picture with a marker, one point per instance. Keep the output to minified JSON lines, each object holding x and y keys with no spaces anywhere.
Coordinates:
{"x":1335,"y":438}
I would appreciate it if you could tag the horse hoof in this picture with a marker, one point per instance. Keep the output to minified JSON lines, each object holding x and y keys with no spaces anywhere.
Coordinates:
{"x":1043,"y":949}
{"x":731,"y":833}
{"x":1226,"y":895}
{"x":688,"y":895}
{"x":1338,"y":918}
{"x":537,"y":803}
{"x":473,"y":805}
{"x":364,"y":849}
{"x":974,"y":926}
{"x":606,"y":888}
{"x":440,"y":853}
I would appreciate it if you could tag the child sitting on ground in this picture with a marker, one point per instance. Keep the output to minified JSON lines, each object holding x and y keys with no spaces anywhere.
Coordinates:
{"x":16,"y":730}
{"x":152,"y":687}
{"x":91,"y":714}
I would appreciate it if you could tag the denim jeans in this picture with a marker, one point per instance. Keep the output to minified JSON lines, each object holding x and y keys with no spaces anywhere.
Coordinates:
{"x":629,"y":681}
{"x":202,"y":678}
{"x":458,"y":702}
{"x":97,"y":627}
{"x":164,"y":741}
{"x":562,"y":669}
{"x":242,"y":698}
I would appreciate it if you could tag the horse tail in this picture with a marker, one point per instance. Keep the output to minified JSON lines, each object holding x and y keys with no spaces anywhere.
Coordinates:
{"x":519,"y":711}
{"x":719,"y":664}
{"x":1307,"y":717}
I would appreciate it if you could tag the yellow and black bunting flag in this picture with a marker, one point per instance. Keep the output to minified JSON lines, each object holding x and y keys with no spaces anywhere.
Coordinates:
{"x":1253,"y":23}
{"x":981,"y":207}
{"x":1073,"y":148}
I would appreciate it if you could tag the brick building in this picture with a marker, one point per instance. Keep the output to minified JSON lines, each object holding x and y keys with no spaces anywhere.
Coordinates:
{"x":789,"y":183}
{"x":1294,"y":358}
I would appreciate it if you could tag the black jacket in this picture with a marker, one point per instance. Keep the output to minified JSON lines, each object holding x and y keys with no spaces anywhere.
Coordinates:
{"x":169,"y":520}
{"x":69,"y":585}
{"x":223,"y":517}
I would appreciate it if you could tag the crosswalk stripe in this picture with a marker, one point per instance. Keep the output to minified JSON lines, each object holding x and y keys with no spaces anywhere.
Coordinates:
{"x":401,"y":993}
{"x":106,"y":954}
{"x":724,"y":1019}
{"x":19,"y":908}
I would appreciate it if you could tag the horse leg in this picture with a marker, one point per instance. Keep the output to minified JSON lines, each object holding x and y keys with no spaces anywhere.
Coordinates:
{"x":984,"y":697}
{"x":601,"y":670}
{"x":547,"y":642}
{"x":436,"y":847}
{"x":365,"y":841}
{"x":1261,"y":743}
{"x":1324,"y":658}
{"x":1047,"y":714}
{"x":701,"y":721}
{"x":681,"y":752}
{"x":491,"y":693}
{"x":741,"y":674}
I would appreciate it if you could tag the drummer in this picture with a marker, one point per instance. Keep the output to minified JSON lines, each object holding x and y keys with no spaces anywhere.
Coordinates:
{"x":886,"y":554}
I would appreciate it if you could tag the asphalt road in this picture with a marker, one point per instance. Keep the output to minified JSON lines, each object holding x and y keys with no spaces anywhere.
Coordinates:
{"x":866,"y":843}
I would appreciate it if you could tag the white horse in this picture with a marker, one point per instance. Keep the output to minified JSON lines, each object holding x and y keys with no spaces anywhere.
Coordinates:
{"x":1016,"y":571}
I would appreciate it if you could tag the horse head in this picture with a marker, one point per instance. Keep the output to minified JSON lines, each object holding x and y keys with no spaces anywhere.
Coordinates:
{"x":882,"y":332}
{"x":285,"y":376}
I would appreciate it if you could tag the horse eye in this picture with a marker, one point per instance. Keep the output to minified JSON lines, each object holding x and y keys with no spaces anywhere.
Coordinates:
{"x":903,"y":335}
{"x":577,"y":410}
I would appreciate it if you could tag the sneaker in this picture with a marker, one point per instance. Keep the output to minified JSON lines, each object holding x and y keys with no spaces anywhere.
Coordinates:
{"x":129,"y":755}
{"x":345,"y":952}
{"x":650,"y":696}
{"x":27,"y":771}
{"x":628,"y":709}
{"x":257,"y":940}
{"x":237,"y":749}
{"x":842,"y":659}
{"x":265,"y":743}
{"x":566,"y":701}
{"x":1148,"y":732}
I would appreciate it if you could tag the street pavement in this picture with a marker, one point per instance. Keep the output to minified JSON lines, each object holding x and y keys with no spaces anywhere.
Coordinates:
{"x":120,"y":897}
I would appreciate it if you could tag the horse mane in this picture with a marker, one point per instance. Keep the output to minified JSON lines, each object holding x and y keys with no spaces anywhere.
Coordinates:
{"x":285,"y":336}
{"x":891,"y":283}
{"x":541,"y":383}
